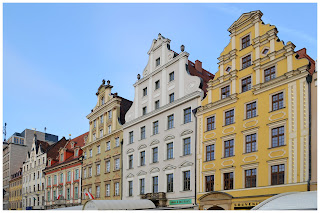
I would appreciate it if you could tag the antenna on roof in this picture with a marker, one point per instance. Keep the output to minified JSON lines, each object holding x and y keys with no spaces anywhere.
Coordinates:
{"x":5,"y":131}
{"x":45,"y":129}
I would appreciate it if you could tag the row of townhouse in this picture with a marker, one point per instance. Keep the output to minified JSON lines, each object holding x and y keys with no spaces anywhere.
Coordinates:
{"x":191,"y":139}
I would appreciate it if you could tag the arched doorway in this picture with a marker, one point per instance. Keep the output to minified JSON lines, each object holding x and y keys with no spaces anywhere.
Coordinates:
{"x":216,"y":201}
{"x":215,"y":208}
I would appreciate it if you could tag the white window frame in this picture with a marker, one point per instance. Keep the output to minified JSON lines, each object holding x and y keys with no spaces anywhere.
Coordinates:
{"x":227,"y":170}
{"x":247,"y":167}
{"x":274,"y":163}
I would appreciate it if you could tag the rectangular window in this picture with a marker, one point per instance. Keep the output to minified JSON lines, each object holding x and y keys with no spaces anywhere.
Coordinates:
{"x":157,"y":104}
{"x":169,"y":150}
{"x":144,"y":110}
{"x":117,"y":164}
{"x":251,"y":176}
{"x":211,"y":123}
{"x":171,"y":76}
{"x":157,"y":84}
{"x":171,"y":97}
{"x":155,"y":127}
{"x":108,"y":145}
{"x":61,"y":159}
{"x":107,"y":190}
{"x":61,"y":178}
{"x":143,"y":132}
{"x":142,"y":184}
{"x":101,"y":133}
{"x":109,"y":114}
{"x":251,"y":143}
{"x":48,"y":196}
{"x":228,"y":181}
{"x":145,"y":91}
{"x":246,"y":61}
{"x":116,"y":187}
{"x":130,"y":188}
{"x":94,"y":136}
{"x":55,"y":180}
{"x":98,"y":149}
{"x":209,"y":183}
{"x":130,"y":137}
{"x":269,"y":74}
{"x":109,"y":129}
{"x":90,"y":151}
{"x":277,"y":101}
{"x":108,"y":166}
{"x":245,"y":41}
{"x":228,"y":148}
{"x":251,"y":110}
{"x":85,"y":155}
{"x":94,"y":123}
{"x":101,"y":119}
{"x":155,"y":184}
{"x":277,"y":174}
{"x":225,"y":92}
{"x":278,"y":136}
{"x":187,"y":115}
{"x":76,"y":196}
{"x":186,"y":180}
{"x":246,"y":84}
{"x":69,"y":176}
{"x":77,"y":174}
{"x":142,"y":158}
{"x":130,"y":161}
{"x":170,"y":121}
{"x":210,"y":152}
{"x":157,"y":61}
{"x":97,"y":191}
{"x":186,"y":146}
{"x":155,"y":155}
{"x":169,"y":182}
{"x":117,"y":142}
{"x":98,"y":169}
{"x":90,"y":172}
{"x":229,"y":117}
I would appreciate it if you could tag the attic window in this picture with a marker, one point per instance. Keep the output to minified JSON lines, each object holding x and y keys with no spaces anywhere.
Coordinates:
{"x":158,"y":62}
{"x":102,"y":100}
{"x":76,"y":152}
{"x":245,"y":41}
{"x":49,"y":163}
{"x":61,"y":157}
{"x":72,"y":144}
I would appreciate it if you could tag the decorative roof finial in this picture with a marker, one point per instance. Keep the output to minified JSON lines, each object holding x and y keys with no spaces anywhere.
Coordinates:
{"x":182,"y":48}
{"x":103,"y":81}
{"x":69,"y":136}
{"x":159,"y":35}
{"x":108,"y":82}
{"x":138,"y":76}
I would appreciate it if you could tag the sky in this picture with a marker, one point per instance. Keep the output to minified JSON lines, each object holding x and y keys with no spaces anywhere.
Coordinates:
{"x":55,"y":55}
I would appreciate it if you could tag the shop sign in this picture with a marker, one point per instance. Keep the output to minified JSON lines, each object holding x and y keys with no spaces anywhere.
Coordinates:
{"x":246,"y":204}
{"x":178,"y":202}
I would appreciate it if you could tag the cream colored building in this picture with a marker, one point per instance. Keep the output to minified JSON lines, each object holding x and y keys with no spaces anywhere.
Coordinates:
{"x":101,"y":169}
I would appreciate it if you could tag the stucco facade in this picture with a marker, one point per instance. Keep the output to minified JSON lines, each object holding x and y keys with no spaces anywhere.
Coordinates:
{"x":159,"y":133}
{"x":253,"y":125}
{"x":33,"y":179}
{"x":15,"y":191}
{"x":63,"y":173}
{"x":101,"y":170}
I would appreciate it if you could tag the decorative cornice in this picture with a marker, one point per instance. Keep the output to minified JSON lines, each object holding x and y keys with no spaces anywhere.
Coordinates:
{"x":218,"y":104}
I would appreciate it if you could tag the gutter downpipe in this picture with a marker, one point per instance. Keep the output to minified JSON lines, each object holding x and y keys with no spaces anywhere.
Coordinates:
{"x":309,"y":80}
{"x":194,"y":111}
{"x":121,"y":169}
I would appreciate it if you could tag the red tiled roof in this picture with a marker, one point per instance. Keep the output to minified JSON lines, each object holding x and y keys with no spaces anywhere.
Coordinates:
{"x":203,"y":74}
{"x":80,"y":139}
{"x":53,"y":150}
{"x":303,"y":54}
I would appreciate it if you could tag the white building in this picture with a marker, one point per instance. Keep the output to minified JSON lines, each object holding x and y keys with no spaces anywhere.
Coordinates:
{"x":33,"y":179}
{"x":159,"y":134}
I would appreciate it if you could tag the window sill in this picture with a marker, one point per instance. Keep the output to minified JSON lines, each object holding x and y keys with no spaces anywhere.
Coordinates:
{"x":107,"y":172}
{"x":184,"y":191}
{"x":208,"y":161}
{"x":228,"y":157}
{"x":141,"y":165}
{"x":249,"y":152}
{"x":277,"y":146}
{"x":210,"y":130}
{"x":168,"y":159}
{"x":154,"y":134}
{"x":245,"y":47}
{"x":154,"y":162}
{"x":277,"y":110}
{"x":169,"y":129}
{"x":250,"y":118}
{"x":228,"y":124}
{"x":188,"y":155}
{"x":246,"y":67}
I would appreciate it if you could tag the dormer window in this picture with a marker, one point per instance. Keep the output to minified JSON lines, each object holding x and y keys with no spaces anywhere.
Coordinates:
{"x":102,"y":100}
{"x":245,"y":41}
{"x":72,"y":144}
{"x":158,"y":62}
{"x":49,"y":163}
{"x":76,"y":152}
{"x":145,"y":91}
{"x":61,"y":157}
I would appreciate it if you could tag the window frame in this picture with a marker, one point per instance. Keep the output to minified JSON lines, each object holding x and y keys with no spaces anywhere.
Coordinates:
{"x":171,"y":97}
{"x":241,"y":41}
{"x":145,"y":92}
{"x":211,"y":183}
{"x":224,"y":116}
{"x":169,"y":184}
{"x":251,"y":178}
{"x":214,"y":122}
{"x":158,"y":62}
{"x":143,"y":158}
{"x":242,"y":58}
{"x":214,"y":147}
{"x":189,"y":118}
{"x":171,"y":74}
{"x":184,"y":146}
{"x":245,"y":107}
{"x":155,"y":127}
{"x":248,"y":88}
{"x":186,"y":182}
{"x":270,"y":68}
{"x":170,"y":121}
{"x":228,"y":89}
{"x":230,"y":180}
{"x":278,"y":101}
{"x":169,"y":151}
{"x":144,"y":132}
{"x":157,"y":84}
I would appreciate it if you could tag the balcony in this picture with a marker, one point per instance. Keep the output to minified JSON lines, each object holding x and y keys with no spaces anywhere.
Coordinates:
{"x":159,"y":199}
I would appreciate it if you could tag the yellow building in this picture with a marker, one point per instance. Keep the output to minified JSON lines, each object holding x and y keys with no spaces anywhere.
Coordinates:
{"x":101,"y":169}
{"x":253,"y":124}
{"x":15,"y":191}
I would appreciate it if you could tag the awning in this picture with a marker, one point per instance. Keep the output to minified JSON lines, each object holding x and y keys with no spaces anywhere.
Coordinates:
{"x":290,"y":201}
{"x":118,"y":205}
{"x":70,"y":208}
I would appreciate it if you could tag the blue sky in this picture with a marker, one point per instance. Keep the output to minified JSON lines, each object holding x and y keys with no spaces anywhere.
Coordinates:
{"x":56,"y":55}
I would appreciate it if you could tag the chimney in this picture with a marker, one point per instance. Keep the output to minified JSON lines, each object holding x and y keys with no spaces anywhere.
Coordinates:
{"x":198,"y":65}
